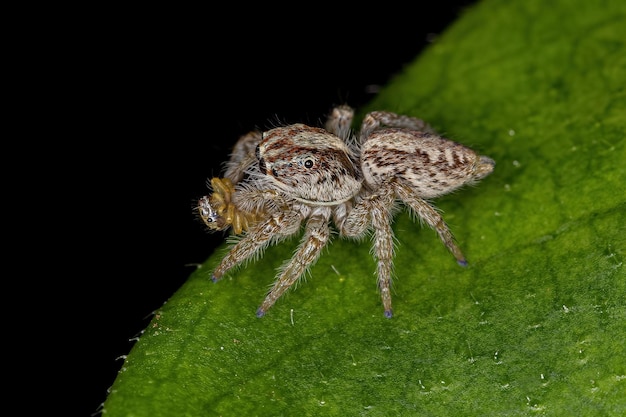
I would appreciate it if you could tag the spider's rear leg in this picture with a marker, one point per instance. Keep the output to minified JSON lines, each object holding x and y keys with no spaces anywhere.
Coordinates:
{"x":432,"y":217}
{"x":315,"y":238}
{"x":340,"y":121}
{"x":377,"y":119}
{"x":423,"y":166}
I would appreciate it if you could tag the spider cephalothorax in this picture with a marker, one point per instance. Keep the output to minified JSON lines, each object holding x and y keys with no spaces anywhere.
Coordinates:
{"x":308,"y":164}
{"x":326,"y":178}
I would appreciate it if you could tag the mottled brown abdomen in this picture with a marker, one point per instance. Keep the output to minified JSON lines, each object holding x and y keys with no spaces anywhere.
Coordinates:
{"x":430,"y":164}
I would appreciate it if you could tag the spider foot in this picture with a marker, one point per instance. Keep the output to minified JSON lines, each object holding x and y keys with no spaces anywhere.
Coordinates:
{"x":388,"y":314}
{"x":462,"y":262}
{"x":260,"y":312}
{"x":214,"y":278}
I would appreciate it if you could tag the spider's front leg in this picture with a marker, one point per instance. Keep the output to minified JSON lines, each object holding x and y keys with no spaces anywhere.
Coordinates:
{"x":316,"y":236}
{"x":243,"y":156}
{"x":276,"y":227}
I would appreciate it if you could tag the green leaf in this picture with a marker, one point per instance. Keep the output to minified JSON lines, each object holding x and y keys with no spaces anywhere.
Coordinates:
{"x":535,"y":325}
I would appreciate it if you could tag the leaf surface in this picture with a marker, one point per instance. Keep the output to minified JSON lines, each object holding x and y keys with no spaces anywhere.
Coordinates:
{"x":536,"y":324}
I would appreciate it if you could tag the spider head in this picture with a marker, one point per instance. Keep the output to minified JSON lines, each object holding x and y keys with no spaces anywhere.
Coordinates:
{"x":309,"y":164}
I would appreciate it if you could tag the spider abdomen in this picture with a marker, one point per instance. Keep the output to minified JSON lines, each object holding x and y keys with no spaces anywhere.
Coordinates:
{"x":431,"y":165}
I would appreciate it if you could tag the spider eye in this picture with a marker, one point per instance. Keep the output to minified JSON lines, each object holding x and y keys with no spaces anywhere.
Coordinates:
{"x":308,"y":163}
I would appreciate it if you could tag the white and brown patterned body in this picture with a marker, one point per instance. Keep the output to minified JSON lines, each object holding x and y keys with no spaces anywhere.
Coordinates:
{"x":302,"y":174}
{"x":431,"y":165}
{"x":309,"y":164}
{"x":307,"y":175}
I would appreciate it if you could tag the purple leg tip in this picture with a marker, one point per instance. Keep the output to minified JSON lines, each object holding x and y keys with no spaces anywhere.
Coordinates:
{"x":260,"y":313}
{"x":214,"y":278}
{"x":462,"y":262}
{"x":388,"y":314}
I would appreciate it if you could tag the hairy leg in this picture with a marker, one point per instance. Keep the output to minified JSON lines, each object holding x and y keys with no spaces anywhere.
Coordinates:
{"x":374,"y":211}
{"x":340,"y":121}
{"x":242,"y":156}
{"x":376,"y":119}
{"x":316,"y":236}
{"x":432,"y":218}
{"x":381,"y":214}
{"x":276,"y":227}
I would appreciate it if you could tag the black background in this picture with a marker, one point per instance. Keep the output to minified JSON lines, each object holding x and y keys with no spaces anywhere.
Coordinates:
{"x":165,"y":94}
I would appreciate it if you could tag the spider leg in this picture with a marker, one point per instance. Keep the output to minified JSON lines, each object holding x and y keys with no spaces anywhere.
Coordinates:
{"x":243,"y":156}
{"x":317,"y":234}
{"x":281,"y":225}
{"x":353,"y":220}
{"x":339,"y":121}
{"x":375,"y":210}
{"x":376,"y":119}
{"x":432,"y":217}
{"x":382,"y":215}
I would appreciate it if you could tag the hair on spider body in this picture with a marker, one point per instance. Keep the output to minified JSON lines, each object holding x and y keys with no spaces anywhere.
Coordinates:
{"x":297,"y":175}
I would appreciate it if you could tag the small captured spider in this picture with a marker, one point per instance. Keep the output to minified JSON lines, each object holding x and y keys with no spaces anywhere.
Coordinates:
{"x":279,"y":179}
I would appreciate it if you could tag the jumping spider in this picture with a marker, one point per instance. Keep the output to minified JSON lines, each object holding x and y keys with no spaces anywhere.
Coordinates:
{"x":278,"y":179}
